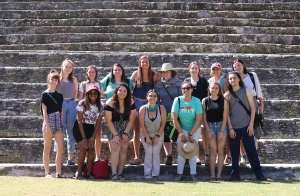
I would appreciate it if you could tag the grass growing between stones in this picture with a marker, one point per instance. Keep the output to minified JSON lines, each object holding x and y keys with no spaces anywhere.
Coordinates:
{"x":44,"y":186}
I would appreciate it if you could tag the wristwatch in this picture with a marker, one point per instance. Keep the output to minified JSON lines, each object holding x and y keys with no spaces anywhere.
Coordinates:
{"x":157,"y":135}
{"x":125,"y":134}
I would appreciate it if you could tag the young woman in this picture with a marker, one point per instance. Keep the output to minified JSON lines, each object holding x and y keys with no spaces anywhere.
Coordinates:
{"x":119,"y":115}
{"x":240,"y":126}
{"x":145,"y":79}
{"x":200,"y":86}
{"x":152,"y":120}
{"x":111,"y":81}
{"x":168,"y":89}
{"x":86,"y":127}
{"x":215,"y":114}
{"x":68,"y":88}
{"x":215,"y":72}
{"x":240,"y":67}
{"x":189,"y":111}
{"x":91,"y":80}
{"x":51,"y":105}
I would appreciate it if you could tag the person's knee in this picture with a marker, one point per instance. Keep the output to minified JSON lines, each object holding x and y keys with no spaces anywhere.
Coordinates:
{"x":114,"y":148}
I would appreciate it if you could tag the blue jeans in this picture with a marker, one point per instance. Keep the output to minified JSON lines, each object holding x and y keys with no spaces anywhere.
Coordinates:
{"x":138,"y":104}
{"x":250,"y":148}
{"x":69,"y":117}
{"x":215,"y":128}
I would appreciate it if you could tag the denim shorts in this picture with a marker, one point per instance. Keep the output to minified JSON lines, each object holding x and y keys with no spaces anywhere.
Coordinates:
{"x":138,"y":104}
{"x":215,"y":128}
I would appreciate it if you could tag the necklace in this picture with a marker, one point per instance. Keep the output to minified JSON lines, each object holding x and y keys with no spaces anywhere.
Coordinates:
{"x":152,"y":109}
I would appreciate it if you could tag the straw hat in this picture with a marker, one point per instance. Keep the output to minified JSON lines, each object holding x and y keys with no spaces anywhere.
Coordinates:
{"x":187,"y":150}
{"x":168,"y":67}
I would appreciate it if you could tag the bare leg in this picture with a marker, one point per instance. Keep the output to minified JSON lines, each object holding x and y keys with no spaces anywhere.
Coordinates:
{"x":122,"y":157}
{"x":242,"y":149}
{"x":114,"y":156}
{"x":98,"y":145}
{"x":90,"y":160}
{"x":213,"y":154}
{"x":168,"y":148}
{"x":46,"y":152}
{"x":59,"y":139}
{"x":221,"y":156}
{"x":81,"y":156}
{"x":136,"y":139}
{"x":205,"y":144}
{"x":228,"y":154}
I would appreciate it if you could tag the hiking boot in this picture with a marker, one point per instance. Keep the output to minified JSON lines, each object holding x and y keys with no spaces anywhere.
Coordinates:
{"x":169,"y":160}
{"x":235,"y":177}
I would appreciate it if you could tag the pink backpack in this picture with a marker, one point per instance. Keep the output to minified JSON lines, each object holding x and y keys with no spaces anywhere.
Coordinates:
{"x":100,"y":169}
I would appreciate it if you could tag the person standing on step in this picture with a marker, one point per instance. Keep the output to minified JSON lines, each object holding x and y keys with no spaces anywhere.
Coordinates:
{"x":215,"y":114}
{"x":91,"y":80}
{"x":145,"y":79}
{"x":240,"y":126}
{"x":68,"y":88}
{"x":111,"y":81}
{"x":168,"y":88}
{"x":152,"y":120}
{"x":216,"y":73}
{"x":251,"y":81}
{"x":187,"y":117}
{"x":51,"y":108}
{"x":86,"y":127}
{"x":119,"y":112}
{"x":200,"y":86}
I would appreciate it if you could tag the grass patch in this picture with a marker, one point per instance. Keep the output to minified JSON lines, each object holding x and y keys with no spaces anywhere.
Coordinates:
{"x":42,"y":186}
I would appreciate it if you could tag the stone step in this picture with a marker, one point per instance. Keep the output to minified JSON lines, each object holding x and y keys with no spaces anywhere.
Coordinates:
{"x":34,"y":90}
{"x":167,"y":173}
{"x":274,"y":109}
{"x":30,"y":126}
{"x":39,"y":74}
{"x":162,"y":29}
{"x":122,"y":13}
{"x":134,"y":5}
{"x":255,"y":48}
{"x":256,"y":22}
{"x":51,"y":59}
{"x":20,"y":150}
{"x":60,"y":38}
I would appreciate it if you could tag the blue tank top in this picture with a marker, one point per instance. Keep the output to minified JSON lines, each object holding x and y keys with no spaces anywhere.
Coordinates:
{"x":141,"y":92}
{"x":66,"y":89}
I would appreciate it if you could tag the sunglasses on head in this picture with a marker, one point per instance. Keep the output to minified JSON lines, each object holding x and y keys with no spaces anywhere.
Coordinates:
{"x":93,"y":93}
{"x":186,"y":88}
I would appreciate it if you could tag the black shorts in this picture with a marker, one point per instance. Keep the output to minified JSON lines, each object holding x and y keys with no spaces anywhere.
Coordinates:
{"x":88,"y":130}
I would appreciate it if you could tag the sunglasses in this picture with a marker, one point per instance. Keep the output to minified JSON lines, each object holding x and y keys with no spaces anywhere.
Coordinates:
{"x":93,"y":93}
{"x":186,"y":88}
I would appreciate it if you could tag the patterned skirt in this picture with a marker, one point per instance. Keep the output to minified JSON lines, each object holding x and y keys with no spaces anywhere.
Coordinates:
{"x":55,"y":122}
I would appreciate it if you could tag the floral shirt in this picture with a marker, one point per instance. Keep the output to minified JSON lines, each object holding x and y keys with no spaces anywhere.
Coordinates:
{"x":89,"y":116}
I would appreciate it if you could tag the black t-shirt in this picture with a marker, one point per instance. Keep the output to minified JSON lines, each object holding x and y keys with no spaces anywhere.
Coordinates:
{"x":214,"y":109}
{"x":201,"y":90}
{"x":50,"y":103}
{"x":116,"y":115}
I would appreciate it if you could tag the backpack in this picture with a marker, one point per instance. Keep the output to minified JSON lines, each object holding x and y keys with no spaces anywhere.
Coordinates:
{"x":100,"y":169}
{"x":108,"y":80}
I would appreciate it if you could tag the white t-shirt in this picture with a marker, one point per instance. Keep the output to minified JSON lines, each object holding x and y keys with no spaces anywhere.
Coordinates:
{"x":249,"y":85}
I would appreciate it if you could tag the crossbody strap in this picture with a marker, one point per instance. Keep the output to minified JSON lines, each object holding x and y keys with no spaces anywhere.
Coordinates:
{"x":240,"y":102}
{"x":52,"y":98}
{"x":167,"y":91}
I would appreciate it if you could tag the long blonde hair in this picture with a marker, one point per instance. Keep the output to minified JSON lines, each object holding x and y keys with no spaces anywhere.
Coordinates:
{"x":195,"y":62}
{"x":71,"y":75}
{"x":139,"y":79}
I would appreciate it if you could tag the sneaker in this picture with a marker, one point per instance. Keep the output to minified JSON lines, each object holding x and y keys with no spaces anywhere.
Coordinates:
{"x":48,"y":175}
{"x":243,"y":161}
{"x":121,"y":177}
{"x":261,"y":178}
{"x":90,"y":177}
{"x":169,"y":160}
{"x":59,"y":176}
{"x":235,"y":177}
{"x":194,"y":178}
{"x":96,"y":160}
{"x":114,"y":177}
{"x":70,"y":162}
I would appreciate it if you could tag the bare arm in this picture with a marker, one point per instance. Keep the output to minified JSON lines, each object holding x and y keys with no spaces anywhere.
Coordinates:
{"x":225,"y":84}
{"x":142,"y":124}
{"x":46,"y":119}
{"x":232,"y":133}
{"x":75,"y":88}
{"x":80,"y":93}
{"x":252,"y":107}
{"x":205,"y":123}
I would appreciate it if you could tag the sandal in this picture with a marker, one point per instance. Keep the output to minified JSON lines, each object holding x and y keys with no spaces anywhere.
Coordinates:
{"x":178,"y":178}
{"x":121,"y":177}
{"x":135,"y":162}
{"x":114,"y":177}
{"x":212,"y":179}
{"x":206,"y":162}
{"x":227,"y":160}
{"x":219,"y":179}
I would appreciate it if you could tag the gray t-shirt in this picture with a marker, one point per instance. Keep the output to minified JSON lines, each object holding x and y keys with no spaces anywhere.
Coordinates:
{"x":238,"y":115}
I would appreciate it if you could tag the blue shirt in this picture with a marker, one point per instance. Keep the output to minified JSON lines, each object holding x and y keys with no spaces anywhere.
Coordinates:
{"x":110,"y":88}
{"x":187,"y":111}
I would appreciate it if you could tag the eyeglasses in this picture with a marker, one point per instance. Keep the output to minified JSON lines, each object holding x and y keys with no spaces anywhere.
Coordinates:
{"x":93,"y":93}
{"x":152,"y":96}
{"x":186,"y":88}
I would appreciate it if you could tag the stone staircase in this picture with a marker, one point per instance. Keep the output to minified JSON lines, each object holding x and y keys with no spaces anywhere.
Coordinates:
{"x":36,"y":36}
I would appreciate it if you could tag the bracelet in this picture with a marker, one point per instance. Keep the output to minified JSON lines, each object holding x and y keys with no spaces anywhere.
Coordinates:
{"x":125,"y":134}
{"x":181,"y":134}
{"x":157,"y":135}
{"x":190,"y":134}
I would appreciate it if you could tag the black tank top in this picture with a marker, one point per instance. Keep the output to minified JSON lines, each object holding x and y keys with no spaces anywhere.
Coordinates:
{"x":214,"y":109}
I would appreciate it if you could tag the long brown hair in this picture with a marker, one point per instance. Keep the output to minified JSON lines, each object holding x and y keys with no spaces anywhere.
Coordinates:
{"x":195,"y":62}
{"x":86,"y":104}
{"x":220,"y":93}
{"x":88,"y":80}
{"x":71,"y":75}
{"x":139,"y":79}
{"x":127,"y":100}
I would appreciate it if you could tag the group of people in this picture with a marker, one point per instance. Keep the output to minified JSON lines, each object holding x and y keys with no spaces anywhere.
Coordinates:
{"x":145,"y":102}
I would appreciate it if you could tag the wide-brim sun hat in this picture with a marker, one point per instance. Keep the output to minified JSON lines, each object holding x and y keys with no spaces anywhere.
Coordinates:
{"x":188,"y":150}
{"x":93,"y":88}
{"x":168,"y":67}
{"x":217,"y":65}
